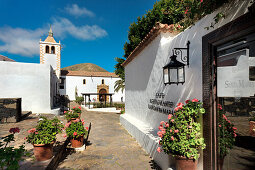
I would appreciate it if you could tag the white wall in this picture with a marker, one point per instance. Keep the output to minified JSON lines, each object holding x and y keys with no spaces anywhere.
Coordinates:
{"x":31,"y":82}
{"x":144,"y":78}
{"x":90,"y":87}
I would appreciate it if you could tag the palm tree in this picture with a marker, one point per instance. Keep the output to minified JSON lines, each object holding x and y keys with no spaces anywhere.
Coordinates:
{"x":119,"y":85}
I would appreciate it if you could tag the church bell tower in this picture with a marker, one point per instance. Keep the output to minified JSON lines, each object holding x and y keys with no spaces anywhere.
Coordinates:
{"x":50,"y":52}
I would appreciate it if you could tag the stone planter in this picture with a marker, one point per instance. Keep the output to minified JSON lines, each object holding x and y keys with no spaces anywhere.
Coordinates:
{"x":78,"y":142}
{"x":43,"y":152}
{"x":252,"y":128}
{"x":183,"y":163}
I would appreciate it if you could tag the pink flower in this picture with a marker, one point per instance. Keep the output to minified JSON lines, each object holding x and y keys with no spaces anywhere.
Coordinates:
{"x":162,"y":122}
{"x":201,"y":1}
{"x":68,"y":124}
{"x":186,"y":11}
{"x":176,"y":131}
{"x":187,"y":101}
{"x":171,"y":130}
{"x":172,"y":138}
{"x":163,"y":132}
{"x":219,"y":125}
{"x":75,"y":133}
{"x":176,"y":109}
{"x":31,"y":130}
{"x":79,"y":107}
{"x":64,"y":135}
{"x":159,"y":149}
{"x":73,"y":107}
{"x":87,"y":128}
{"x":160,"y":134}
{"x":195,"y":100}
{"x":160,"y":127}
{"x":36,"y":132}
{"x":25,"y":138}
{"x":172,"y":120}
{"x":190,"y":127}
{"x":170,"y":116}
{"x":235,"y":135}
{"x":234,"y":128}
{"x":64,"y":111}
{"x":167,"y":125}
{"x":219,"y":107}
{"x":180,"y":105}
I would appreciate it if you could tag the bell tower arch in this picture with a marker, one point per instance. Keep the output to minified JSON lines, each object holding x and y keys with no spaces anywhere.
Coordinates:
{"x":50,"y":52}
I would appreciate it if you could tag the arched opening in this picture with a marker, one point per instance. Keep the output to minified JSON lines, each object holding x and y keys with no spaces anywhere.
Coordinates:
{"x":47,"y":49}
{"x":102,"y":81}
{"x":102,"y":97}
{"x":52,"y":50}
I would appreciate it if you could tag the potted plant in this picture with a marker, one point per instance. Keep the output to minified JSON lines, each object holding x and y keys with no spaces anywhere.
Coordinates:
{"x":73,"y":114}
{"x":76,"y":132}
{"x":252,"y":126}
{"x":181,"y":135}
{"x":227,"y":135}
{"x":10,"y":156}
{"x":43,"y":137}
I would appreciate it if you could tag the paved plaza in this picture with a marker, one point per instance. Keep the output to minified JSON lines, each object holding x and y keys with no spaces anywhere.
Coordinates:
{"x":111,"y":147}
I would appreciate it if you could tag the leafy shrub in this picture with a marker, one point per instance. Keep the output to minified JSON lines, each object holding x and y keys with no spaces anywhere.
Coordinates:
{"x":227,"y":133}
{"x":76,"y":129}
{"x":10,"y":156}
{"x":181,"y":135}
{"x":73,"y":113}
{"x":45,"y":132}
{"x":79,"y":99}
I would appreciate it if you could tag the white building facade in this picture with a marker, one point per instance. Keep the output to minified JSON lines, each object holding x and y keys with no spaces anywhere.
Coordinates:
{"x":144,"y":79}
{"x":91,"y":84}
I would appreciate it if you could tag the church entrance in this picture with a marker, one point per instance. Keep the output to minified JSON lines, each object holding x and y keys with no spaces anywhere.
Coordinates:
{"x":102,"y":95}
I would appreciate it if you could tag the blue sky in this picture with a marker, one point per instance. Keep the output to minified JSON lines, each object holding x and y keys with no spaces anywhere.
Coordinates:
{"x":89,"y":31}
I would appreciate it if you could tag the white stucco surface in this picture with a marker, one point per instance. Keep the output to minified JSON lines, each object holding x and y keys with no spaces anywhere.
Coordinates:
{"x":28,"y":81}
{"x":71,"y":82}
{"x":144,"y":78}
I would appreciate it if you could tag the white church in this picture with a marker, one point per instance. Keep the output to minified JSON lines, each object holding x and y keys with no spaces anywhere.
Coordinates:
{"x":39,"y":85}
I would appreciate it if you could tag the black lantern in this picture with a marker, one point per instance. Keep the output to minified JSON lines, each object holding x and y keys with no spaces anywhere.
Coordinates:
{"x":174,"y":72}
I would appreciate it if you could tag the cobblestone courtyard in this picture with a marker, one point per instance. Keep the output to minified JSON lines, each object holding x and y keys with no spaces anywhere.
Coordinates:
{"x":111,"y":147}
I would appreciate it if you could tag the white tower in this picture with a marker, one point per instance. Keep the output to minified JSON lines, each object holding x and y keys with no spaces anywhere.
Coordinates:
{"x":50,"y":52}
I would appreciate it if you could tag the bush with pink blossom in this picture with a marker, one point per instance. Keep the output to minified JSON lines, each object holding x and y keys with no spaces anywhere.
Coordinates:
{"x":227,"y":133}
{"x":181,"y":134}
{"x":76,"y":129}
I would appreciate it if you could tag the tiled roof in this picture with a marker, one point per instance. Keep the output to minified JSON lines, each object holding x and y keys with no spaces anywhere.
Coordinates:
{"x":154,"y":32}
{"x":3,"y":58}
{"x":88,"y":74}
{"x":50,"y":39}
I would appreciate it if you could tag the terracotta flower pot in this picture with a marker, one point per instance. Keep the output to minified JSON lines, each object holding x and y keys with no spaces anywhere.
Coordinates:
{"x":252,"y":128}
{"x":43,"y":152}
{"x":183,"y":163}
{"x":78,"y":142}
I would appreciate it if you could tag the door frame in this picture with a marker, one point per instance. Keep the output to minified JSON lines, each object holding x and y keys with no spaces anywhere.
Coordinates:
{"x":239,"y":27}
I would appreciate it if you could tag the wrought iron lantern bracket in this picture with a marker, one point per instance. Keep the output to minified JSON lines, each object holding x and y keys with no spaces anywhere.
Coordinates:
{"x":179,"y":52}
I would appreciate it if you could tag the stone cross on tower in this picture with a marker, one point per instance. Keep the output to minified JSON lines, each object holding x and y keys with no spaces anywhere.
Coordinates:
{"x":50,"y":52}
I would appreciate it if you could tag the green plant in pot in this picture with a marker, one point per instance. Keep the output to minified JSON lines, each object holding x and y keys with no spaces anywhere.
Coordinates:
{"x":43,"y":136}
{"x":181,"y":135}
{"x":10,"y":156}
{"x":73,"y":114}
{"x":227,"y":135}
{"x":76,"y":132}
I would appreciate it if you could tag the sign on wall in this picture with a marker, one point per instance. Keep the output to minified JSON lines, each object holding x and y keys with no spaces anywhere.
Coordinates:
{"x":160,"y":105}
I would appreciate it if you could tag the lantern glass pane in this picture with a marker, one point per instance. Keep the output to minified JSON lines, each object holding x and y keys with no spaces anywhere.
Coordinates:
{"x":173,"y":75}
{"x":181,"y":74}
{"x":166,"y":77}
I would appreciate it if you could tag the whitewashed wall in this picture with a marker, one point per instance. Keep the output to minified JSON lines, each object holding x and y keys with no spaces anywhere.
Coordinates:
{"x":144,"y":78}
{"x":31,"y":82}
{"x":90,"y":87}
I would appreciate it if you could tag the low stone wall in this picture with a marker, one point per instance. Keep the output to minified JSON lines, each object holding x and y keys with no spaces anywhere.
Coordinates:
{"x":10,"y":110}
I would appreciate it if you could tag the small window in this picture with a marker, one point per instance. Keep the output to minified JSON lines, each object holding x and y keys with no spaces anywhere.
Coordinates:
{"x":47,"y":49}
{"x":52,"y":50}
{"x":84,"y":81}
{"x":62,"y":83}
{"x":103,"y":81}
{"x":252,"y":73}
